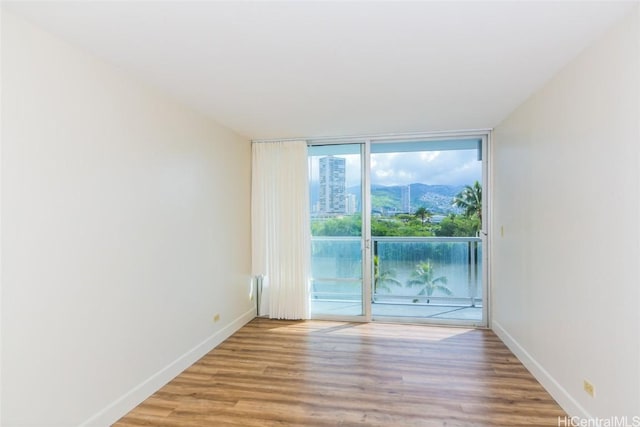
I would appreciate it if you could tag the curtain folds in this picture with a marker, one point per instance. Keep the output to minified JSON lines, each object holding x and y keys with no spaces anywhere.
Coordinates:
{"x":280,"y":232}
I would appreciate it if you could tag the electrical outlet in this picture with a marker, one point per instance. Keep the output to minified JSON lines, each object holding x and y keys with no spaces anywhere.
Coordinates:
{"x":589,"y":388}
{"x":216,"y":317}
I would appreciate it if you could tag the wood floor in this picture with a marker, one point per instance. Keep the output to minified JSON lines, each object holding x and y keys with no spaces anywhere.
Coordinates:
{"x":316,"y":373}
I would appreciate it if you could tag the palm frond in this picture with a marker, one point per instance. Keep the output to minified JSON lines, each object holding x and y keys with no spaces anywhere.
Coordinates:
{"x":422,"y":276}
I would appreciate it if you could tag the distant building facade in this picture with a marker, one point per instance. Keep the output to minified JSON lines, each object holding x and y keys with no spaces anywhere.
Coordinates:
{"x":405,"y":198}
{"x":332,"y":197}
{"x":351,"y":205}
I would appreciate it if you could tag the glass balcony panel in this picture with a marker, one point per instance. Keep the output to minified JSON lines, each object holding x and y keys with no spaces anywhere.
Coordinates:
{"x":438,"y":277}
{"x":428,"y":277}
{"x":336,"y":284}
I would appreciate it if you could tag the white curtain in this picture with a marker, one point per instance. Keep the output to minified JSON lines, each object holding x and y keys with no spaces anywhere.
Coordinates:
{"x":281,"y":241}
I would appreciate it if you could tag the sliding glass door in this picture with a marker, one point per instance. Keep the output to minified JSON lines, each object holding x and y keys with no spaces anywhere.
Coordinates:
{"x":398,"y":230}
{"x":335,"y":178}
{"x":426,"y":226}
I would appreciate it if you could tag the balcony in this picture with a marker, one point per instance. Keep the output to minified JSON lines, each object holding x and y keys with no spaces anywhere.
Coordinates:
{"x":417,"y":277}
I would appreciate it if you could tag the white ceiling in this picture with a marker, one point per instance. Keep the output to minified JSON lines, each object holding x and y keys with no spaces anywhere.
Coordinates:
{"x":287,"y":69}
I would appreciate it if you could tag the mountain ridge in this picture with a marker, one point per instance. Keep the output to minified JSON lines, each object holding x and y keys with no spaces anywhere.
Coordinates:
{"x":387,"y":199}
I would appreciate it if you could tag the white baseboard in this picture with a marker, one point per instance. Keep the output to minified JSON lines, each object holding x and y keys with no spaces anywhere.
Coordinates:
{"x":121,"y":406}
{"x":559,"y":393}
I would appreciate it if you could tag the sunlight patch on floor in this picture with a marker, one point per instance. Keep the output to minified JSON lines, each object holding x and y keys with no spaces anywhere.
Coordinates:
{"x":378,"y":330}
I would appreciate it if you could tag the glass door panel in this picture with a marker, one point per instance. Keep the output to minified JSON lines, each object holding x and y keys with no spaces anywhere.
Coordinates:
{"x":335,"y":181}
{"x":416,"y":251}
{"x":426,"y":222}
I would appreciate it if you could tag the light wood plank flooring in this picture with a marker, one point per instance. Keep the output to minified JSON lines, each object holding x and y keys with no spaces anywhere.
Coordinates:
{"x":316,"y":373}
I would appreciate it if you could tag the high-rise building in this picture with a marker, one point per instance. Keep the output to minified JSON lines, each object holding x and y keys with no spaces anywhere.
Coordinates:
{"x":351,"y":206}
{"x":332,"y":185}
{"x":406,"y":198}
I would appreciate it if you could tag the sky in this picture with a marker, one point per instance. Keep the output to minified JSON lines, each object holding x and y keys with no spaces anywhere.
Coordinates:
{"x":449,"y":167}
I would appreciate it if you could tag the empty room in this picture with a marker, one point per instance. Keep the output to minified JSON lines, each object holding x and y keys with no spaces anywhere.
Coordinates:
{"x":319,"y":213}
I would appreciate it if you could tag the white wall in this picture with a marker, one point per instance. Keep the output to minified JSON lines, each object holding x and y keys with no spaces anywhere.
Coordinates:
{"x":1,"y":184}
{"x":125,"y":228}
{"x":565,"y":273}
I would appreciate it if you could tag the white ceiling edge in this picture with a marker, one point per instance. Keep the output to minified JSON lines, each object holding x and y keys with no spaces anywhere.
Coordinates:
{"x":307,"y":69}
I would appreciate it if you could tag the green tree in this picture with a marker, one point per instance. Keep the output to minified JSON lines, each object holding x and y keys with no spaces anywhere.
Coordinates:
{"x":423,"y":214}
{"x":470,"y":200}
{"x":458,"y":226}
{"x":399,"y":225}
{"x":406,"y":218}
{"x":383,"y":279}
{"x":349,"y":225}
{"x":382,"y":227}
{"x":424,"y":278}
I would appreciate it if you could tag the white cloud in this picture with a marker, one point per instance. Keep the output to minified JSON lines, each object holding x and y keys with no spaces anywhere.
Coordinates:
{"x":453,"y":167}
{"x":449,"y":167}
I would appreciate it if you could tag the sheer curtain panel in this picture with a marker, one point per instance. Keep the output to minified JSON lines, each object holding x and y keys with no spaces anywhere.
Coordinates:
{"x":281,"y":241}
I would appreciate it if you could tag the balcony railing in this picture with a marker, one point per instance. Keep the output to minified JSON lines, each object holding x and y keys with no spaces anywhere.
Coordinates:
{"x":453,"y":276}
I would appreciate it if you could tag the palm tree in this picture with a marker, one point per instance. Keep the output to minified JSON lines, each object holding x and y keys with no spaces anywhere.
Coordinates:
{"x":423,"y":277}
{"x":382,"y":279}
{"x":423,"y":214}
{"x":470,"y":200}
